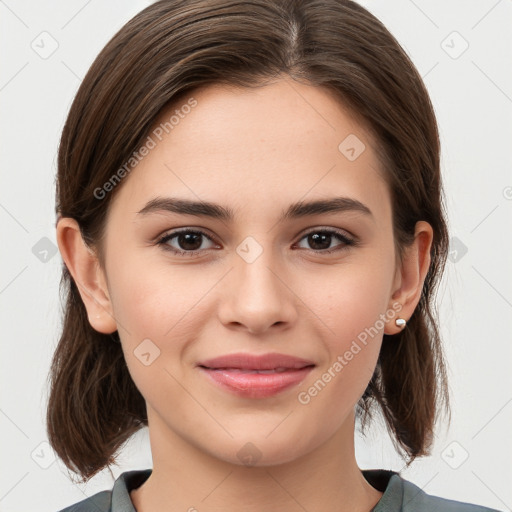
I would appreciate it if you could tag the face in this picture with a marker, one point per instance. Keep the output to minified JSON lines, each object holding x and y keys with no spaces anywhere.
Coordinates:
{"x":315,"y":285}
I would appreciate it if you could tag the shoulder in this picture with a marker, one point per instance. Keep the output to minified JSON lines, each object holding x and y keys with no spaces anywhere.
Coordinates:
{"x":417,"y":500}
{"x":100,"y":502}
{"x":115,"y":500}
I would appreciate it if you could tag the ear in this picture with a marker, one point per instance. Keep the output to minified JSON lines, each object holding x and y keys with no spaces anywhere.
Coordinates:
{"x":84,"y":267}
{"x":410,"y":276}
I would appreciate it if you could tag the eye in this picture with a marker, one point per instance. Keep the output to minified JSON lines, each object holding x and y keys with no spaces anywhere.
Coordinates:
{"x":320,"y":240}
{"x":189,"y":241}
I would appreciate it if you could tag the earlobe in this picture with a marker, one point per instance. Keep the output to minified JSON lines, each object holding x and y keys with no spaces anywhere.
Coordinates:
{"x":412,"y":274}
{"x":84,"y":267}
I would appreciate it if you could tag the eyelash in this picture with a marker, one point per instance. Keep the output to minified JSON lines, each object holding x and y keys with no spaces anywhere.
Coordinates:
{"x":341,"y":236}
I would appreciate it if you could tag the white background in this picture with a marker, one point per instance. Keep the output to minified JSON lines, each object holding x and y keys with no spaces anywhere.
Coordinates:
{"x":472,"y":96}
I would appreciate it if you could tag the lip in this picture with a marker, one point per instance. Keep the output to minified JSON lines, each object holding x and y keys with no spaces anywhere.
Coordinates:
{"x":238,"y":373}
{"x":246,"y":361}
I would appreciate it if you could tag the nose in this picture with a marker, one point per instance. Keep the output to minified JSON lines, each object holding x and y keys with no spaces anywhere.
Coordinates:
{"x":258,"y":296}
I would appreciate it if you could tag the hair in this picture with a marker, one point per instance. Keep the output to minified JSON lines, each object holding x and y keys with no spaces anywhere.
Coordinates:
{"x":160,"y":56}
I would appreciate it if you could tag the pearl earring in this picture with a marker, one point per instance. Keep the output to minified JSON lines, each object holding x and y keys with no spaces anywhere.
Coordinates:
{"x":400,"y":322}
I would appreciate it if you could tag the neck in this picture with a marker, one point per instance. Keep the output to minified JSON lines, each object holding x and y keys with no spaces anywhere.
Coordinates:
{"x":185,"y":478}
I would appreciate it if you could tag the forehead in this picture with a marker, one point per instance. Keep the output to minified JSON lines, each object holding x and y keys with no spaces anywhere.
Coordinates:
{"x":255,"y":148}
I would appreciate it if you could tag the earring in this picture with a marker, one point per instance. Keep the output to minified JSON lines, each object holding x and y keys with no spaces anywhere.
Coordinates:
{"x":400,"y":322}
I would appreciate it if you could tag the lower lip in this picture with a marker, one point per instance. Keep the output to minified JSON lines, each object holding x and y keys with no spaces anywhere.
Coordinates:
{"x":256,"y":385}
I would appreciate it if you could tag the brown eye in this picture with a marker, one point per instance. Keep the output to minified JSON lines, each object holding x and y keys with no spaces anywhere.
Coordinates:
{"x":321,"y":240}
{"x":186,"y":242}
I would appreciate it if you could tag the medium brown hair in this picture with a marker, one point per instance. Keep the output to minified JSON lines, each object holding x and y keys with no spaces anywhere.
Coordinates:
{"x":163,"y":54}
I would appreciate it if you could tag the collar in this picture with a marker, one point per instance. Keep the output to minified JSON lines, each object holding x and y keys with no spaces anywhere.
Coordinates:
{"x":386,"y":481}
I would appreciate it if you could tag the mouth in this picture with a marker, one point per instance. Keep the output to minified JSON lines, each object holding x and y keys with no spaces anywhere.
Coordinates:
{"x":251,"y":376}
{"x":253,"y":370}
{"x":272,"y":362}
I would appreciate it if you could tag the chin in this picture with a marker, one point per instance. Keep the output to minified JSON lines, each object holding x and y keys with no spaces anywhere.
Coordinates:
{"x":263,"y":452}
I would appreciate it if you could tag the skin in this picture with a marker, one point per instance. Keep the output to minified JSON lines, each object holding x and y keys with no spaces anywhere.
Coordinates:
{"x":255,"y":151}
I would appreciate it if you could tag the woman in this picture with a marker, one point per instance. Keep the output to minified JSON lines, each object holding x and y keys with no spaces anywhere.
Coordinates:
{"x":251,"y":220}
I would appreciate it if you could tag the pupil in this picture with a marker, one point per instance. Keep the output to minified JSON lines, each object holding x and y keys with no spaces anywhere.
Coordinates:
{"x":322,"y":237}
{"x":188,"y":240}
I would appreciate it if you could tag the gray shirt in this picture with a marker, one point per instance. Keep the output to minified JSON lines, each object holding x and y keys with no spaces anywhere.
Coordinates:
{"x":399,"y":495}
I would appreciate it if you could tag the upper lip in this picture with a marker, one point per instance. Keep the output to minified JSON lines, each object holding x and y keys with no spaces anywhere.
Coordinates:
{"x":245,"y":361}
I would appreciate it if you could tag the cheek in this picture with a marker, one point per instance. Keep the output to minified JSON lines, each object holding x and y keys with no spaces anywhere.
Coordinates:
{"x":154,"y":301}
{"x":152,"y":310}
{"x":352,"y":346}
{"x":164,"y":305}
{"x":349,"y":298}
{"x":351,"y":304}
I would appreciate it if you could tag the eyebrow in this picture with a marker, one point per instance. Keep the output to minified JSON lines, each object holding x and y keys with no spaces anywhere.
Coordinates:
{"x":216,"y":211}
